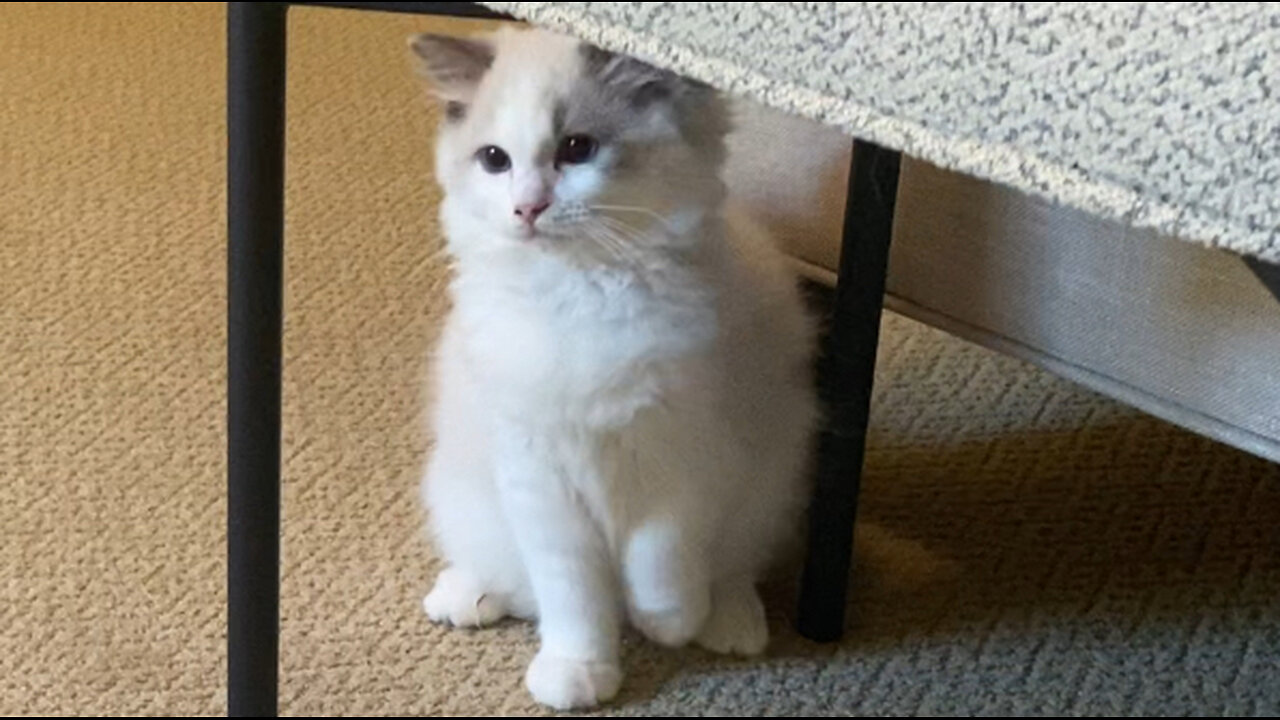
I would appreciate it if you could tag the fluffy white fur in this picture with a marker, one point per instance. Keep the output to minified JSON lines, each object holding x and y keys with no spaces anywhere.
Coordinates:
{"x":622,"y":395}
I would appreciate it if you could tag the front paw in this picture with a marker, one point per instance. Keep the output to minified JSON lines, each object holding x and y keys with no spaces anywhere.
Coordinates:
{"x":458,"y":600}
{"x":566,"y":684}
{"x":737,"y":625}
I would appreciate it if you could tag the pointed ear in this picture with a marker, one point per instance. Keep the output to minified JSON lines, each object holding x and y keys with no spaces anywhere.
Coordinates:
{"x":641,"y":83}
{"x":453,"y":66}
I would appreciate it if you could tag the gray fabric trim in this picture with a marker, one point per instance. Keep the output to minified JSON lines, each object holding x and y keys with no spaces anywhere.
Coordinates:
{"x":1175,"y":413}
{"x":1180,"y":415}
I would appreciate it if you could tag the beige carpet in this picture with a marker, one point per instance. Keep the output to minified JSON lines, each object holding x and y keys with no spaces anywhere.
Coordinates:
{"x":1045,"y":551}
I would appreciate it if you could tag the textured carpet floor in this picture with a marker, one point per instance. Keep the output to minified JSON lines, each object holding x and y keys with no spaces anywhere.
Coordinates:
{"x":1044,"y":551}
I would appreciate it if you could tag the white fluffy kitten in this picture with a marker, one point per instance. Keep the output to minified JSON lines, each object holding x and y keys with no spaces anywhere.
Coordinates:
{"x":623,"y":404}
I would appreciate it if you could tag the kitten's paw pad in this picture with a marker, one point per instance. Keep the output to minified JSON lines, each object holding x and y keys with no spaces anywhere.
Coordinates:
{"x":737,"y":625}
{"x":672,"y":628}
{"x":459,"y":601}
{"x":566,"y":684}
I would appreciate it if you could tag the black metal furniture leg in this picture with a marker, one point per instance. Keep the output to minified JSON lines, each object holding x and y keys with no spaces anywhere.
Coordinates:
{"x":255,"y":224}
{"x":845,"y":375}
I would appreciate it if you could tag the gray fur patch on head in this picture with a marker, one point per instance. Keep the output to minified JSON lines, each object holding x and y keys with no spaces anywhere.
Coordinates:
{"x":618,"y":92}
{"x":638,"y":81}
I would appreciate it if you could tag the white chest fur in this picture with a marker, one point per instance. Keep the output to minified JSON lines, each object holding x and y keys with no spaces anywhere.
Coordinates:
{"x":595,"y":345}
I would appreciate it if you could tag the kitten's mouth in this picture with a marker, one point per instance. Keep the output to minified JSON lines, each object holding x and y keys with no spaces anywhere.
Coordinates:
{"x":547,"y":232}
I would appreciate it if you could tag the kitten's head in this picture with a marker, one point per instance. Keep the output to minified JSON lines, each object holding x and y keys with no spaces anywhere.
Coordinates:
{"x":550,"y":142}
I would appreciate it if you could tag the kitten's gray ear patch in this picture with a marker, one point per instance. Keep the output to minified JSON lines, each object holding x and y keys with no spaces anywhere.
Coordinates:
{"x":453,"y":65}
{"x":639,"y":81}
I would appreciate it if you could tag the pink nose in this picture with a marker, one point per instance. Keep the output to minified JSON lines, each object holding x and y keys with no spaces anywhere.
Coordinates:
{"x":529,"y":212}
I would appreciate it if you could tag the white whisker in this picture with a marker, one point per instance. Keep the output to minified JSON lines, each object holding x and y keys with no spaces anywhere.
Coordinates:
{"x":632,"y":209}
{"x":618,"y":244}
{"x":602,"y":241}
{"x":622,"y":228}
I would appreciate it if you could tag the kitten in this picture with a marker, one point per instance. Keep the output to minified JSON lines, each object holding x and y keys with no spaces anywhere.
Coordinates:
{"x":623,"y":403}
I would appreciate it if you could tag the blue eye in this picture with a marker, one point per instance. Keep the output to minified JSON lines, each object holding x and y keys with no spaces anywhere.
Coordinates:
{"x":576,"y":149}
{"x":494,"y":159}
